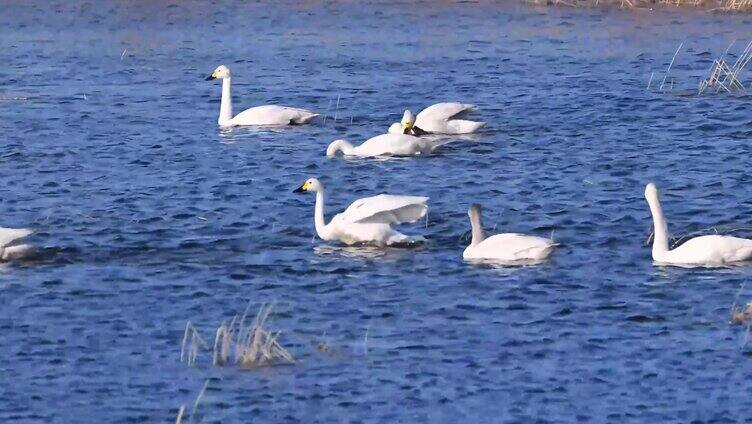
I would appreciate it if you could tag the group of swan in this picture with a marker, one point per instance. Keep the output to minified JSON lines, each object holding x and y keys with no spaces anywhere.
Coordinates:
{"x":369,"y":220}
{"x":402,"y":139}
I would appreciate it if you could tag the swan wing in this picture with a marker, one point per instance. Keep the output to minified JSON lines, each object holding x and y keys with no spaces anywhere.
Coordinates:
{"x":9,"y":235}
{"x":386,"y":209}
{"x":444,"y":112}
{"x":273,"y":115}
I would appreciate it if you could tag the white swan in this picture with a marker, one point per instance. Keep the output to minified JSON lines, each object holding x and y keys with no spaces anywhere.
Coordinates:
{"x":367,"y":220}
{"x":383,"y":145}
{"x":259,"y":115}
{"x":441,"y":118}
{"x":710,"y":250}
{"x":509,"y":247}
{"x":10,"y":252}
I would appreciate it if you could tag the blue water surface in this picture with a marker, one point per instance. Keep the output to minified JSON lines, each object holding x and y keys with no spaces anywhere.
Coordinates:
{"x":148,"y":216}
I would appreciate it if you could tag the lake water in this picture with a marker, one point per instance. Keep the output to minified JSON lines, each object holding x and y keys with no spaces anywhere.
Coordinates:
{"x":147,"y":215}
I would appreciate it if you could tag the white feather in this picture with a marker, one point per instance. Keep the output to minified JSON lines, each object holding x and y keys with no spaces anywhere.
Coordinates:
{"x":386,"y":209}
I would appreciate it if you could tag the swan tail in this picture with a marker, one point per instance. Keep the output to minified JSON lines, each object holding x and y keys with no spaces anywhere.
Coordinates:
{"x":14,"y":253}
{"x":400,"y":239}
{"x":9,"y":235}
{"x":303,"y":118}
{"x":461,"y":126}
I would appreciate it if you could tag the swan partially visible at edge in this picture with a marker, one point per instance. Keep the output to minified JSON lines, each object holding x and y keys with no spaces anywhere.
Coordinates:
{"x":10,"y":251}
{"x":711,"y":250}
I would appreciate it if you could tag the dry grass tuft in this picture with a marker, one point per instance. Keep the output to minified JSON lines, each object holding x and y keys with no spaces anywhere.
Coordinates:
{"x":725,"y":77}
{"x":254,"y":344}
{"x":250,"y":344}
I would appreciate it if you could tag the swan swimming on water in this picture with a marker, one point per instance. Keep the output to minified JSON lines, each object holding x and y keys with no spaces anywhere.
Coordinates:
{"x":367,"y":220}
{"x":711,"y":250}
{"x":8,"y":251}
{"x":509,"y":247}
{"x":383,"y":145}
{"x":440,"y":118}
{"x":259,"y":115}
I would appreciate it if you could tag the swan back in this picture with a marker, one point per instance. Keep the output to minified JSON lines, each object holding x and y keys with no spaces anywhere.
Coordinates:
{"x":510,"y":247}
{"x":392,"y":144}
{"x":386,"y":209}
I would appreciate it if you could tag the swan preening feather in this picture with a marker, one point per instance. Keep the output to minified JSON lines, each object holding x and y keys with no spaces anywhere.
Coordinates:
{"x":383,"y":145}
{"x":367,"y":220}
{"x":507,"y":248}
{"x":8,"y":251}
{"x":259,"y":115}
{"x":712,"y":250}
{"x":440,"y":118}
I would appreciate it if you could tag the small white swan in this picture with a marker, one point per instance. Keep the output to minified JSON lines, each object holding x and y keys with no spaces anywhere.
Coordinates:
{"x":712,"y":250}
{"x":441,"y":118}
{"x":383,"y":145}
{"x":10,"y":252}
{"x":367,"y":220}
{"x":508,"y":248}
{"x":259,"y":115}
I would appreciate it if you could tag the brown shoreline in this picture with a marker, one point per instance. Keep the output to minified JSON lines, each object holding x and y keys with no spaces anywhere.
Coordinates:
{"x":720,"y":6}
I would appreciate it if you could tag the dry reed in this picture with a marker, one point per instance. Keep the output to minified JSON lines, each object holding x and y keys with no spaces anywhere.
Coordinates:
{"x":251,"y":344}
{"x":181,"y":412}
{"x":725,"y":77}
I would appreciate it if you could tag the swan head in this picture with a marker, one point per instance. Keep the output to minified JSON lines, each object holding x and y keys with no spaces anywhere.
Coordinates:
{"x":311,"y":184}
{"x":221,"y":72}
{"x":408,"y":121}
{"x":651,"y":191}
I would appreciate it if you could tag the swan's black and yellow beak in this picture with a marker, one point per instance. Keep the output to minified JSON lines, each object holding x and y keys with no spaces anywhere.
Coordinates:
{"x":303,"y":188}
{"x":407,"y":128}
{"x":212,"y":76}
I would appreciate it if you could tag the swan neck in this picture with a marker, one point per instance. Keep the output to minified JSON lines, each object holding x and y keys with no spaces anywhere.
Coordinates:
{"x":340,"y":146}
{"x":225,"y":105}
{"x":318,"y":215}
{"x":660,"y":227}
{"x":477,"y":227}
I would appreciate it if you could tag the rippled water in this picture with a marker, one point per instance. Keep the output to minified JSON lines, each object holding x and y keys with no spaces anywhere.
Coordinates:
{"x":148,"y":216}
